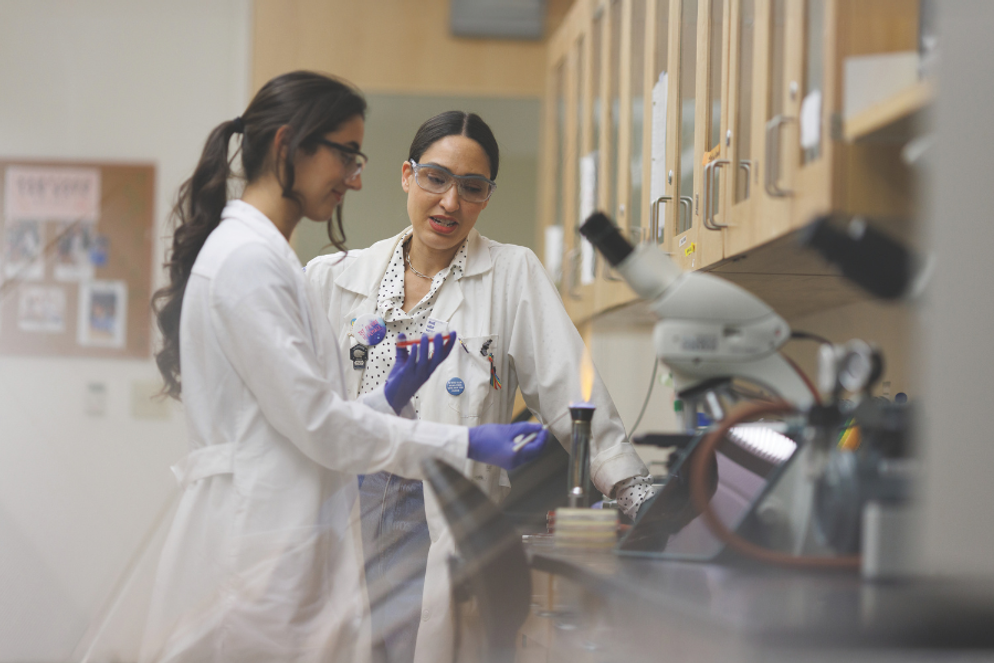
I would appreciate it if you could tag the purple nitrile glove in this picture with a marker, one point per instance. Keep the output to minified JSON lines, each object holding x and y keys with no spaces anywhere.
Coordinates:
{"x":494,"y":443}
{"x":412,"y":369}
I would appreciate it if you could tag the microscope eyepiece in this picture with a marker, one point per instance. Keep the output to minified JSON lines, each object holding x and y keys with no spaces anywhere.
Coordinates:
{"x":866,"y":256}
{"x":604,"y":235}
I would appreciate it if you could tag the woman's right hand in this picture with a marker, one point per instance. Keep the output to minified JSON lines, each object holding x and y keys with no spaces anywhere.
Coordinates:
{"x":494,"y":443}
{"x":412,"y":368}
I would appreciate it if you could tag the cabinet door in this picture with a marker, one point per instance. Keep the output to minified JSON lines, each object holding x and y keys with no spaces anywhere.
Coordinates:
{"x":591,"y":78}
{"x":661,"y":142}
{"x":578,"y":297}
{"x":553,"y":158}
{"x":682,"y":242}
{"x":714,"y":162}
{"x":744,"y":104}
{"x":812,"y":39}
{"x":628,"y":158}
{"x":868,"y":178}
{"x":765,"y":114}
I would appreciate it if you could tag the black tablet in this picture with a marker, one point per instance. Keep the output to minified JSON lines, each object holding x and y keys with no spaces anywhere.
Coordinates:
{"x":742,"y":469}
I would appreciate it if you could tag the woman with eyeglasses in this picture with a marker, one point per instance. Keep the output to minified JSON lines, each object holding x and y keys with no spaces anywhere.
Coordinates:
{"x":262,"y":560}
{"x":441,"y":274}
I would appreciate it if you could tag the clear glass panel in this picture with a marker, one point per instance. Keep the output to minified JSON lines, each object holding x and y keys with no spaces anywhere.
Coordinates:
{"x":688,"y":86}
{"x":661,"y":65}
{"x":743,"y":123}
{"x":814,"y":13}
{"x":714,"y":75}
{"x":714,"y":86}
{"x":596,"y":117}
{"x":596,"y":39}
{"x":662,"y":37}
{"x":581,"y":92}
{"x":778,"y":44}
{"x":638,"y":113}
{"x":560,"y":151}
{"x":615,"y":97}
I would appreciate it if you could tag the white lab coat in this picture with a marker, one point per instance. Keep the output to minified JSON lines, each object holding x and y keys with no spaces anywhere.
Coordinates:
{"x":264,"y":559}
{"x":504,"y":296}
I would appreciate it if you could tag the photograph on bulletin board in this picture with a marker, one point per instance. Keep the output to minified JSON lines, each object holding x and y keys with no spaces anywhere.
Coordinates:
{"x":76,"y":259}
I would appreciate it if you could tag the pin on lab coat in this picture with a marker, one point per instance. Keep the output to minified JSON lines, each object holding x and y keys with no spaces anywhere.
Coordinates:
{"x":264,"y":558}
{"x":506,"y":298}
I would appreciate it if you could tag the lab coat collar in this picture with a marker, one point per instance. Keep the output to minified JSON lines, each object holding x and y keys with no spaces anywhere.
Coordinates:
{"x":261,"y":224}
{"x":364,"y":274}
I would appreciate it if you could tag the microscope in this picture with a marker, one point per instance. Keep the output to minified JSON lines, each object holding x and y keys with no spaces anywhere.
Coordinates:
{"x":711,"y":334}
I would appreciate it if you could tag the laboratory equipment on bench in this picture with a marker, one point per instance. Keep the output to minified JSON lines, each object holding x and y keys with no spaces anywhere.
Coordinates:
{"x":710,"y":333}
{"x":864,"y":487}
{"x":806,"y":507}
{"x":709,"y":330}
{"x":579,"y":457}
{"x":740,"y":474}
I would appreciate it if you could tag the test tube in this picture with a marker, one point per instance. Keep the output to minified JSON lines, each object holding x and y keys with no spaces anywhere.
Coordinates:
{"x":579,"y":459}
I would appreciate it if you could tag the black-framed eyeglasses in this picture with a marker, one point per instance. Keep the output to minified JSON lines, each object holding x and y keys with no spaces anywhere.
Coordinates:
{"x":438,"y":179}
{"x":353,"y":160}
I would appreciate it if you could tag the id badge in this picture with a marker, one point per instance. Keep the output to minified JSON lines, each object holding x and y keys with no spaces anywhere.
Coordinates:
{"x":358,"y":354}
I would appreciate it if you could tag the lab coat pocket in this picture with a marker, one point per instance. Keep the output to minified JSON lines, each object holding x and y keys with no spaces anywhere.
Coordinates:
{"x":468,"y":387}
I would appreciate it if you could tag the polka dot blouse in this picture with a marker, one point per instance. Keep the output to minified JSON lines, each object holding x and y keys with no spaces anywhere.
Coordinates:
{"x":390,"y":305}
{"x":632,"y":493}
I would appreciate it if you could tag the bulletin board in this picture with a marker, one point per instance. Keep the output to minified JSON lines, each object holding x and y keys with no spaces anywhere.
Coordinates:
{"x":76,"y":241}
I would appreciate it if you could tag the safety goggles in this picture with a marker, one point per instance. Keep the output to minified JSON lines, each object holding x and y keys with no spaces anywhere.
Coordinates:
{"x":353,"y":160}
{"x":436,"y":179}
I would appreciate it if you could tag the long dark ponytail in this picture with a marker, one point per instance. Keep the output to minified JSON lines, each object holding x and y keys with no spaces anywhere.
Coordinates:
{"x":310,"y":105}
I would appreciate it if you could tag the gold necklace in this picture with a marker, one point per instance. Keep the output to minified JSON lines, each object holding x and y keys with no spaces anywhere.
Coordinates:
{"x":407,"y":254}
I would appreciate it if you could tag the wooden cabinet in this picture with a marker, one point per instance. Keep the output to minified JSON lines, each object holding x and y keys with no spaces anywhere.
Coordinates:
{"x":755,"y":136}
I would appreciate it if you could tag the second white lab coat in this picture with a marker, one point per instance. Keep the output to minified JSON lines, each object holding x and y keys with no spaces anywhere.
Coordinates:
{"x":504,"y":296}
{"x":264,"y":559}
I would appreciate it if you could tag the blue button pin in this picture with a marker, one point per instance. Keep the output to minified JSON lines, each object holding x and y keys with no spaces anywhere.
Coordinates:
{"x":455,"y":386}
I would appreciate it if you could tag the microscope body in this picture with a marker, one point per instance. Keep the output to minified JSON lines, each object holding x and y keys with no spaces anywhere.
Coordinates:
{"x":709,"y":329}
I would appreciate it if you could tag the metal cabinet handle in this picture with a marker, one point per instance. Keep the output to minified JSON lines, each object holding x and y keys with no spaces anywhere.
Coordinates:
{"x":709,"y":177}
{"x":687,"y":202}
{"x":747,"y":167}
{"x":773,"y":156}
{"x":654,"y":218}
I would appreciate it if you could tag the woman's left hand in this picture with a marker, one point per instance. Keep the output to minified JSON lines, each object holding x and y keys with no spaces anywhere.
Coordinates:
{"x":412,"y":369}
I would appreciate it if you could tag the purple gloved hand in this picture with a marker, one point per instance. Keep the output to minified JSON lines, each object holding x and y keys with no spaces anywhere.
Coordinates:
{"x":494,"y":443}
{"x":413,"y":368}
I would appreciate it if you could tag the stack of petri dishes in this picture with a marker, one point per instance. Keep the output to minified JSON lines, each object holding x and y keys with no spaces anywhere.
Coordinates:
{"x":584,"y":528}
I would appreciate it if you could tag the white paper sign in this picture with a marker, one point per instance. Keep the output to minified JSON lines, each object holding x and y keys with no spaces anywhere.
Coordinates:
{"x":588,"y":204}
{"x":657,"y":184}
{"x":52,"y":194}
{"x":811,"y":120}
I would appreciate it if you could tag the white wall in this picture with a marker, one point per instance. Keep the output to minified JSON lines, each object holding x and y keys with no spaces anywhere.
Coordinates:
{"x":79,"y":495}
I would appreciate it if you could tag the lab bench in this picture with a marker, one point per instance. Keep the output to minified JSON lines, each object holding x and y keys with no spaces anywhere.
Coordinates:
{"x":601,"y":607}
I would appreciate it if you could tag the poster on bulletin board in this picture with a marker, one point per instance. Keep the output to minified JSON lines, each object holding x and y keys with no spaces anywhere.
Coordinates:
{"x":76,"y":243}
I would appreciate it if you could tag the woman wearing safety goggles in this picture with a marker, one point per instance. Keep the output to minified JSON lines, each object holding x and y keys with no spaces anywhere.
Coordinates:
{"x":441,"y":275}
